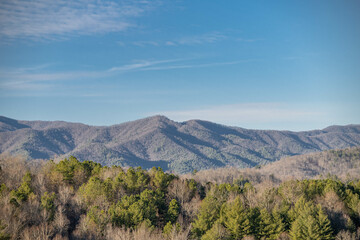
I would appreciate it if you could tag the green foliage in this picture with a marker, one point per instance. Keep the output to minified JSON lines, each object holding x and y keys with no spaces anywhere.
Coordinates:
{"x":236,"y":218}
{"x":23,"y":192}
{"x":128,"y":202}
{"x":67,"y":168}
{"x":266,"y":227}
{"x":135,"y":181}
{"x":3,"y":189}
{"x":173,"y":211}
{"x":99,"y":217}
{"x":278,"y":224}
{"x":144,"y":208}
{"x":170,"y":228}
{"x":48,"y":204}
{"x":160,"y":179}
{"x":95,"y":190}
{"x":119,"y":213}
{"x":325,"y":231}
{"x":3,"y":234}
{"x":210,"y":209}
{"x":310,"y":223}
{"x":75,"y":172}
{"x":133,"y":210}
{"x":217,"y":232}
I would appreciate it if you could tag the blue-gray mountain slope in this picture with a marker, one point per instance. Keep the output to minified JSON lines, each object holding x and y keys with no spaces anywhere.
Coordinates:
{"x":159,"y":141}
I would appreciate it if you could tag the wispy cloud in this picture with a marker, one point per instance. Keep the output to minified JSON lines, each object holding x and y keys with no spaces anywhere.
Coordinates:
{"x":201,"y":65}
{"x":206,"y":38}
{"x":59,"y":19}
{"x":248,"y":114}
{"x":40,"y":76}
{"x":211,"y":37}
{"x":193,"y":40}
{"x":141,"y":65}
{"x":249,"y":39}
{"x":145,"y":43}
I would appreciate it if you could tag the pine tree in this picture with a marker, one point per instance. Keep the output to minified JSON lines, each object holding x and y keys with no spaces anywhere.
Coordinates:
{"x":302,"y":212}
{"x":235,"y":217}
{"x":297,"y":230}
{"x":48,"y":204}
{"x":208,"y":214}
{"x":278,"y":224}
{"x":173,"y":211}
{"x":324,"y":224}
{"x":312,"y":230}
{"x":217,"y":232}
{"x":311,"y":224}
{"x":23,"y":192}
{"x":265,"y":225}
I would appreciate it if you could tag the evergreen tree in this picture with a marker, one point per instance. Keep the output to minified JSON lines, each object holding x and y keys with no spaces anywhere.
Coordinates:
{"x":170,"y":229}
{"x":173,"y":211}
{"x":311,"y":223}
{"x":297,"y":230}
{"x":278,"y":224}
{"x":236,"y":219}
{"x":312,"y":230}
{"x":208,"y":214}
{"x":266,"y":227}
{"x":23,"y":192}
{"x":217,"y":232}
{"x":324,"y":224}
{"x":48,"y":204}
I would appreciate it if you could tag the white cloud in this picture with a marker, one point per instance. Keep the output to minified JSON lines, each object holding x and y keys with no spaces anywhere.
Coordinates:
{"x":141,"y":65}
{"x":205,"y":38}
{"x":191,"y":40}
{"x":145,"y":43}
{"x":38,"y":78}
{"x":250,"y":114}
{"x":249,"y":39}
{"x":170,"y":43}
{"x":201,"y":39}
{"x":201,"y":65}
{"x":59,"y":19}
{"x":29,"y":78}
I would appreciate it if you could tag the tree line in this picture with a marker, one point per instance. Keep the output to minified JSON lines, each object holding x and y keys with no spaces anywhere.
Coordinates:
{"x":84,"y":200}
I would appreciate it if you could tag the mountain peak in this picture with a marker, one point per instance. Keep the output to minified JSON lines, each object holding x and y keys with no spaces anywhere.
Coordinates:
{"x":159,"y":141}
{"x":161,"y":118}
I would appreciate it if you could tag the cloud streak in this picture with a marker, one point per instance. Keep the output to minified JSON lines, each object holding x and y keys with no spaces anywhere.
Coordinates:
{"x":60,"y":19}
{"x":29,"y":78}
{"x":141,"y":65}
{"x":248,"y":114}
{"x":206,"y":38}
{"x":201,"y":39}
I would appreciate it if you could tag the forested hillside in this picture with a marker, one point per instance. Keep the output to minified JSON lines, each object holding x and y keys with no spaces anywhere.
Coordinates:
{"x":84,"y":200}
{"x":343,"y":163}
{"x":158,"y":141}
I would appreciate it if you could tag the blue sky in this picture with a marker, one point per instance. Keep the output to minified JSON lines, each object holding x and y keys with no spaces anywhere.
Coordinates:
{"x":256,"y":64}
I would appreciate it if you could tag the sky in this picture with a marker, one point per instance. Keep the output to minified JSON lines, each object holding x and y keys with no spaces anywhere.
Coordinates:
{"x":287,"y":65}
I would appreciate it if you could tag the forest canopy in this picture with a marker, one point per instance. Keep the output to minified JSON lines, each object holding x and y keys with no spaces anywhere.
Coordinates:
{"x":84,"y":200}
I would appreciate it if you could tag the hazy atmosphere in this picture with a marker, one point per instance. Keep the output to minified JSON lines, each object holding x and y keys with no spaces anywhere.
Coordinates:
{"x":253,"y":64}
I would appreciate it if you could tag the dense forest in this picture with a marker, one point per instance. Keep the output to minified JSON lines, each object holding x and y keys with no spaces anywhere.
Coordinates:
{"x":181,"y":147}
{"x":84,"y":200}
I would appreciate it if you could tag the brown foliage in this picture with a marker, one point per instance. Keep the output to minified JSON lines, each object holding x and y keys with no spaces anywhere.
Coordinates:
{"x":13,"y":168}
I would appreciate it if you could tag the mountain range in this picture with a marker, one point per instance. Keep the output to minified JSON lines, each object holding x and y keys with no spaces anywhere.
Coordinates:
{"x":158,"y":141}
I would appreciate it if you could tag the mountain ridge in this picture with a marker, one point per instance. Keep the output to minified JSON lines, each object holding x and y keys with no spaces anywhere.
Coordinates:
{"x":159,"y":141}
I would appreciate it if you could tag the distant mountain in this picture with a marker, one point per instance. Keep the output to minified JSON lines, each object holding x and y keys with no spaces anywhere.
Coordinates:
{"x":159,"y":141}
{"x":342,"y":163}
